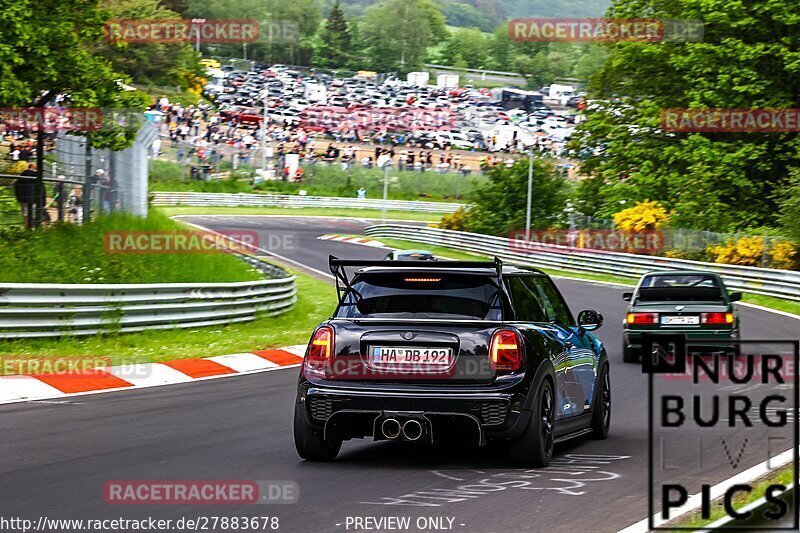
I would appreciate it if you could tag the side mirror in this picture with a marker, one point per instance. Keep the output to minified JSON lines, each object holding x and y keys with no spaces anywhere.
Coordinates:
{"x":736,"y":296}
{"x":589,"y":320}
{"x":627,"y":296}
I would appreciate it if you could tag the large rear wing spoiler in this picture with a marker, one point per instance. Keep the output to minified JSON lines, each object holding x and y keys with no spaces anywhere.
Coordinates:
{"x":344,"y":283}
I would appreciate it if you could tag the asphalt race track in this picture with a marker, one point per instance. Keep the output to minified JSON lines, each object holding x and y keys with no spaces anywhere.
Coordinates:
{"x":56,"y":456}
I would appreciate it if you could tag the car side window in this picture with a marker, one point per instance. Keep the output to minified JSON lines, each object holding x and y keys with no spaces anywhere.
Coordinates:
{"x":528,"y":304}
{"x":557,"y":309}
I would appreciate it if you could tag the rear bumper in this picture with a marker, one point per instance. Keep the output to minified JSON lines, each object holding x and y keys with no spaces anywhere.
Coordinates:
{"x":632,"y":339}
{"x":475,"y":417}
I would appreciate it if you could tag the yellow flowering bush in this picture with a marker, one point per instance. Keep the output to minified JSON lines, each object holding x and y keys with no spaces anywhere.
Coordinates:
{"x":749,"y":251}
{"x":643,"y":216}
{"x":692,"y":255}
{"x":784,"y":255}
{"x":746,"y":251}
{"x":457,"y":221}
{"x":195,"y":83}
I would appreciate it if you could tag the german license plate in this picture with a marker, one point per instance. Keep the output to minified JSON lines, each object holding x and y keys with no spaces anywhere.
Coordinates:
{"x":405,"y":355}
{"x":680,"y":320}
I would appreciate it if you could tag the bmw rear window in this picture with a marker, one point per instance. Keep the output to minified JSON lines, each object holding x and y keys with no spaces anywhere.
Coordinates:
{"x":680,"y":287}
{"x":422,"y":295}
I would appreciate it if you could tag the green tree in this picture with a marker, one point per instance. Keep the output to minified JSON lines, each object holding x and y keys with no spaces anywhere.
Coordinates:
{"x":789,"y":202}
{"x":538,"y":69}
{"x":332,"y":42}
{"x":45,"y":51}
{"x":466,"y":16}
{"x":470,"y":45}
{"x":749,"y":58}
{"x":171,"y":64}
{"x":397,"y":33}
{"x":529,"y":59}
{"x":590,"y":61}
{"x":178,"y":6}
{"x":499,"y":206}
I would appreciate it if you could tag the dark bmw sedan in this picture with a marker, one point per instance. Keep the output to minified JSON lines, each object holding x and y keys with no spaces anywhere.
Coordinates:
{"x":693,"y":303}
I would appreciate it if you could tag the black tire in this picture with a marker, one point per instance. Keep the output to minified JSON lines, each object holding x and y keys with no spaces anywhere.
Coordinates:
{"x":534,"y":448}
{"x":629,"y":355}
{"x":310,"y":443}
{"x":601,"y":411}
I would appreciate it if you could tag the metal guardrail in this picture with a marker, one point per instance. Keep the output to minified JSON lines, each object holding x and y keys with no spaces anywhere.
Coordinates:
{"x":53,"y":310}
{"x":295,"y":201}
{"x":769,"y":282}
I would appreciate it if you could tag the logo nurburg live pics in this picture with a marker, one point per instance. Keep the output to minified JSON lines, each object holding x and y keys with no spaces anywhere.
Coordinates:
{"x":715,"y":410}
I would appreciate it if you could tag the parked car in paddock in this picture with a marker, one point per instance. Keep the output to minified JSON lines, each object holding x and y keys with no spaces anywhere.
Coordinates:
{"x":410,"y":255}
{"x":469,"y":352}
{"x":693,"y":303}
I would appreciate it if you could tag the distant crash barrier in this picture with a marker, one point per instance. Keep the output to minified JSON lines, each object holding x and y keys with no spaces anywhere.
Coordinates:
{"x":769,"y":282}
{"x":296,"y":201}
{"x":52,"y":310}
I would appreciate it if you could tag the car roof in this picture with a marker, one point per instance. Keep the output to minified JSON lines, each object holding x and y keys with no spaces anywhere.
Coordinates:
{"x":680,"y":273}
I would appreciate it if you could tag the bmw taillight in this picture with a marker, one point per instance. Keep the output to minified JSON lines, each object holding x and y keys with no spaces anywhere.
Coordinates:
{"x":506,"y":351}
{"x":320,"y":349}
{"x":716,"y":318}
{"x":642,"y":318}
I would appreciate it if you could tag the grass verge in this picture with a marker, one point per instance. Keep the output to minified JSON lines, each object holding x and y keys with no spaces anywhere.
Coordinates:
{"x":301,"y":211}
{"x":316,"y":301}
{"x":773,"y":303}
{"x":326,"y":180}
{"x":68,"y":253}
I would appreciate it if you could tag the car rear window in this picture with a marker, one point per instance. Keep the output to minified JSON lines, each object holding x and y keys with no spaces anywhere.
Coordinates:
{"x":422,"y":295}
{"x":680,"y":287}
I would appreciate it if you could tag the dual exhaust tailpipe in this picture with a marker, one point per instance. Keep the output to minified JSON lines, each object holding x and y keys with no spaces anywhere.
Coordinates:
{"x":410,"y":430}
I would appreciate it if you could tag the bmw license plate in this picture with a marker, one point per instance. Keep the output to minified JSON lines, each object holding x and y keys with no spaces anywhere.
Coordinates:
{"x":680,"y":320}
{"x":405,"y":355}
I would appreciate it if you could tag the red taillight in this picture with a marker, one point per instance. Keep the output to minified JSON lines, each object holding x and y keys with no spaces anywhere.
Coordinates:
{"x":716,"y":318}
{"x":642,"y":318}
{"x":321,"y":346}
{"x":506,"y":350}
